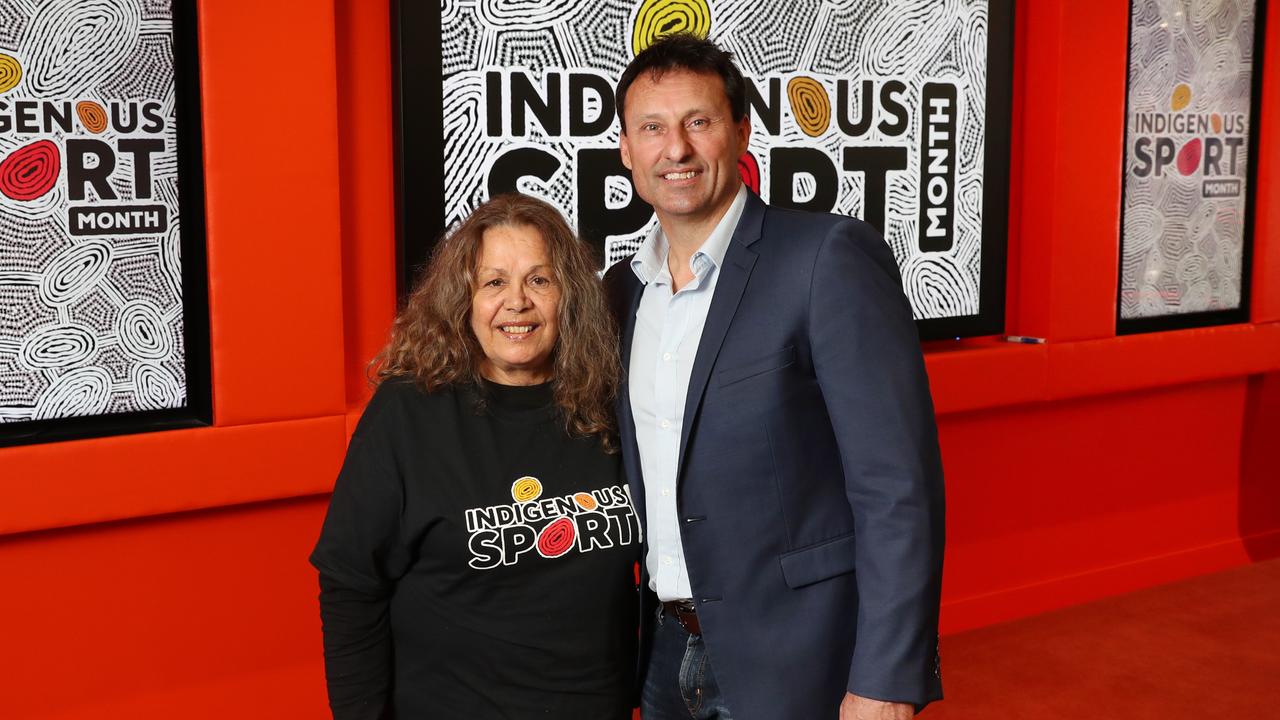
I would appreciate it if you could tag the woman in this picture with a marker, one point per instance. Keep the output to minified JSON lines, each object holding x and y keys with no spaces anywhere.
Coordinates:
{"x":477,"y":557}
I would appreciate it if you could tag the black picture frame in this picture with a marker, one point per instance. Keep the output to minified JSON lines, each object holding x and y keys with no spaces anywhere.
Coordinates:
{"x":198,"y":411}
{"x":417,"y":89}
{"x":417,"y":85}
{"x":1241,"y":314}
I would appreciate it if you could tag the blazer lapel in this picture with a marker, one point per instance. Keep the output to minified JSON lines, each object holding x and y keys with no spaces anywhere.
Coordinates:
{"x":739,"y":260}
{"x":627,"y":303}
{"x":627,"y":321}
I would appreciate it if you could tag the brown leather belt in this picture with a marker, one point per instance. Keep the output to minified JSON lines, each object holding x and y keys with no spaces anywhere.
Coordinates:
{"x":683,"y":612}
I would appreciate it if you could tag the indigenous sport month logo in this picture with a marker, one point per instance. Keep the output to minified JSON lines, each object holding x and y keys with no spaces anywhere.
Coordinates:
{"x":549,"y":527}
{"x":847,"y":125}
{"x":105,"y":148}
{"x":1205,"y":145}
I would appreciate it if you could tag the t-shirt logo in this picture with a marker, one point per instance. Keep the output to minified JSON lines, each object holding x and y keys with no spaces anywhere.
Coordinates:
{"x":551,"y":527}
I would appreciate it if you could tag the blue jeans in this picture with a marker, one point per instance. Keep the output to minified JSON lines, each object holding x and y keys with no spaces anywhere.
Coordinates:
{"x":679,"y":683}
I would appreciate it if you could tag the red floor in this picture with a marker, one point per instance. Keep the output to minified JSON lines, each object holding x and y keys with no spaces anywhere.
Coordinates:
{"x":1203,"y":648}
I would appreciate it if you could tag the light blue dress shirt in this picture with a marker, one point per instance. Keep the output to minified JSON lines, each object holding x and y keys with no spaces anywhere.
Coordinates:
{"x":668,"y":330}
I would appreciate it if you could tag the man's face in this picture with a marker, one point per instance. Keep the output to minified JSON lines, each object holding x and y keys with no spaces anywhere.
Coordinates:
{"x":682,"y":145}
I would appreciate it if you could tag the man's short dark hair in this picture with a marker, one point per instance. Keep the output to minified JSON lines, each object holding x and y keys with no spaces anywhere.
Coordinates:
{"x":683,"y":51}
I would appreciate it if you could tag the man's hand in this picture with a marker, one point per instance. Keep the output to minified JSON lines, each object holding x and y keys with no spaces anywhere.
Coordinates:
{"x":856,"y":707}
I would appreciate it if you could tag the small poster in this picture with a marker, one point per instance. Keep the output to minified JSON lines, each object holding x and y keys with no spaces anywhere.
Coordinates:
{"x":93,"y":294}
{"x":1188,"y":163}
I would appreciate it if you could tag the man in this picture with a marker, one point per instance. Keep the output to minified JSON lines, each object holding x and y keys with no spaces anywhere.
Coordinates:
{"x":777,"y":430}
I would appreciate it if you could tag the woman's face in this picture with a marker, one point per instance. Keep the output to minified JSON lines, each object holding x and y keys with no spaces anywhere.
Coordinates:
{"x":515,"y":308}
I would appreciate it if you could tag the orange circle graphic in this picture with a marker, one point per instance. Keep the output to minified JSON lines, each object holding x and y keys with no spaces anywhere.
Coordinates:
{"x":586,"y":501}
{"x":1181,"y":97}
{"x":810,"y":105}
{"x":92,"y":116}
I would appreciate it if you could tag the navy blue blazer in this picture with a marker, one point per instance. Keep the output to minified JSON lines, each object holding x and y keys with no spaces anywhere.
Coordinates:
{"x":810,"y":484}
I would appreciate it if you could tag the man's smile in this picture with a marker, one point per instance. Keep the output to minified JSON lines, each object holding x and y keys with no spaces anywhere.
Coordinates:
{"x":685,"y":175}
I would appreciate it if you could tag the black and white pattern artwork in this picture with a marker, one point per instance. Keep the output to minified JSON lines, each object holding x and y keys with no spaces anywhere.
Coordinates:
{"x":91,"y":293}
{"x":869,"y":108}
{"x":1186,"y":156}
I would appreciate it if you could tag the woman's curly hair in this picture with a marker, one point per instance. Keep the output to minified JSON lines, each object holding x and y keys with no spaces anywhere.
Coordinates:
{"x":433,"y":344}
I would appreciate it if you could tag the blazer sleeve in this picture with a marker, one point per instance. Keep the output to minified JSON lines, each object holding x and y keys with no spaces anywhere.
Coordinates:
{"x":619,"y":288}
{"x":360,"y":556}
{"x":867,"y":358}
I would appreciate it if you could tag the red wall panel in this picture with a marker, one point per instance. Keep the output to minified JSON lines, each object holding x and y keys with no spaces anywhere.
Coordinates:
{"x":202,"y":615}
{"x":272,"y":192}
{"x":1047,"y":495}
{"x":368,"y":188}
{"x":146,"y":474}
{"x":1070,"y":99}
{"x":1259,"y":512}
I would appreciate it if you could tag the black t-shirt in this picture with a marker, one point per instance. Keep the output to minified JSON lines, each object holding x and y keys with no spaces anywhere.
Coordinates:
{"x":477,"y":564}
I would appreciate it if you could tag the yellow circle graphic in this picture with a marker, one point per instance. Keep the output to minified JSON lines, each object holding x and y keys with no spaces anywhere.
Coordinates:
{"x":656,"y":19}
{"x":586,"y":501}
{"x":1181,"y":97}
{"x":525,"y":489}
{"x":810,"y":105}
{"x":10,"y":72}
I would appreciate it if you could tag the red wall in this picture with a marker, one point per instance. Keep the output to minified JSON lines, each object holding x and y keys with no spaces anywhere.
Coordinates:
{"x":1085,"y":467}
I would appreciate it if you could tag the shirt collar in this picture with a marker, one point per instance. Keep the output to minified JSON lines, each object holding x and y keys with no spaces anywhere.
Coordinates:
{"x":650,"y":260}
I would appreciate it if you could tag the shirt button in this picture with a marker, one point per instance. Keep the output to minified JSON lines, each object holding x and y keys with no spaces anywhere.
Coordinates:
{"x":666,"y":492}
{"x":666,"y":356}
{"x":665,"y":424}
{"x":666,"y":559}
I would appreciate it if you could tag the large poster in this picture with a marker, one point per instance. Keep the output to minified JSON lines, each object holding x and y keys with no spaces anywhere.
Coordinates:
{"x":878,"y":109}
{"x":91,"y":242}
{"x":1187,"y":162}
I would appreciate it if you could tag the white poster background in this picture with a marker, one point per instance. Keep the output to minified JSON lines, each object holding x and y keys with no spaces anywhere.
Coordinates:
{"x":910,"y":41}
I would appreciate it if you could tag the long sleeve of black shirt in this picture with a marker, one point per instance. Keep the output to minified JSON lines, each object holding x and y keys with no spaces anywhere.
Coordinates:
{"x":360,"y":560}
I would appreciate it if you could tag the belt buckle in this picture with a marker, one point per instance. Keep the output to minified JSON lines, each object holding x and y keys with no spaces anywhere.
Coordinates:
{"x":685,"y":609}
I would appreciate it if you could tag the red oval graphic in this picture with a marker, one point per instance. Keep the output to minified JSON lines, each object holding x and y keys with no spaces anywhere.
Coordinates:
{"x":749,"y":169}
{"x":556,"y":538}
{"x":1189,"y":157}
{"x":30,"y":171}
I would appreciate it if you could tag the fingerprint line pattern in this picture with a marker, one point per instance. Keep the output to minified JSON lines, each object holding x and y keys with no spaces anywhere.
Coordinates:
{"x":89,"y":325}
{"x":913,"y":41}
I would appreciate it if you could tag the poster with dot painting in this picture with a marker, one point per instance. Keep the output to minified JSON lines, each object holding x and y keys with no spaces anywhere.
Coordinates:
{"x":94,"y":298}
{"x":892,"y":111}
